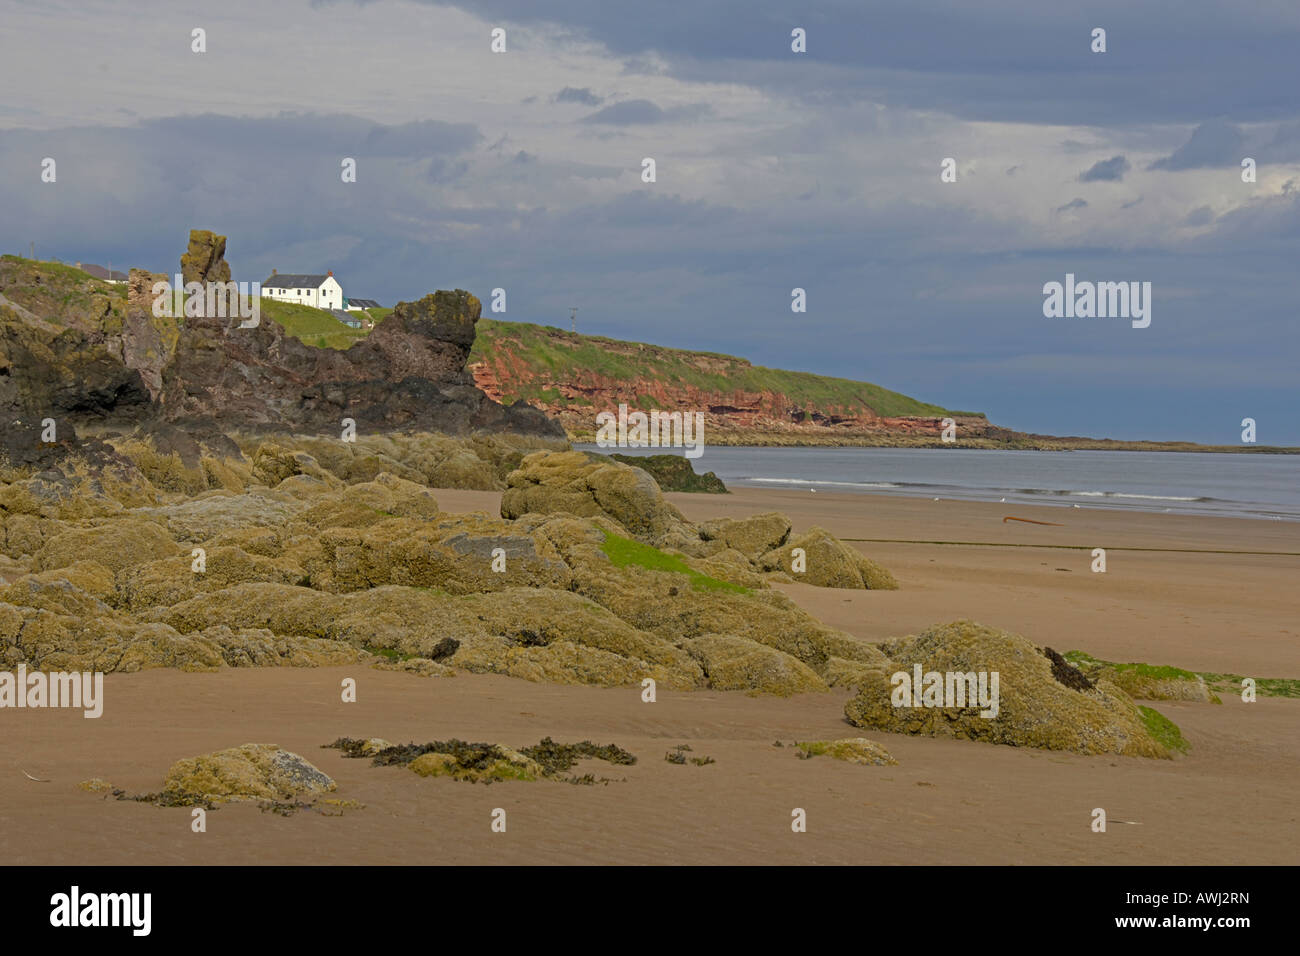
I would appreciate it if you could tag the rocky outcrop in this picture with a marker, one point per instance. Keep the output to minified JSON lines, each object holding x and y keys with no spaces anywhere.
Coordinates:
{"x":408,"y":374}
{"x":205,"y":259}
{"x":77,"y":350}
{"x":586,"y":485}
{"x":148,"y":341}
{"x":674,"y":473}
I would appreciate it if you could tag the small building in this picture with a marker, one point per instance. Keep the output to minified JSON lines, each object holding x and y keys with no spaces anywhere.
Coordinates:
{"x":317,"y":291}
{"x":356,"y":305}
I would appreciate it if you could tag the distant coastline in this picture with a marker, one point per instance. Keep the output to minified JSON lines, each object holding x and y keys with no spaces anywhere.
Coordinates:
{"x":573,"y":377}
{"x":754,"y":438}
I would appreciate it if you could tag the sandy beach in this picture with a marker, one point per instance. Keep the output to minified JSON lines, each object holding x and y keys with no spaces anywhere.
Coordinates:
{"x":1208,"y":594}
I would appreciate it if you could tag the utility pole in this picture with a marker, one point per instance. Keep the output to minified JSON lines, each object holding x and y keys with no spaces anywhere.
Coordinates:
{"x":573,"y":319}
{"x":31,"y":249}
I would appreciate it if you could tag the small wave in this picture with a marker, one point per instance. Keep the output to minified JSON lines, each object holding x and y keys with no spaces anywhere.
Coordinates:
{"x":819,"y":481}
{"x":1065,"y":492}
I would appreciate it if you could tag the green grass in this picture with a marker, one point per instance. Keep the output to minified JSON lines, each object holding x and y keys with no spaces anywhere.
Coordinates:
{"x":551,"y":353}
{"x":1163,"y":730}
{"x":311,"y":326}
{"x":1264,"y":686}
{"x":61,"y":270}
{"x":1221,"y":683}
{"x":1153,"y":671}
{"x":624,"y":552}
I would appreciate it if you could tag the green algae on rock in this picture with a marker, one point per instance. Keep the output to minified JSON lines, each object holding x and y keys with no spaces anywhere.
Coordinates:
{"x":829,"y":563}
{"x":343,"y":563}
{"x":247,"y":772}
{"x":1035,"y":709}
{"x":1144,"y":681}
{"x":857,"y":750}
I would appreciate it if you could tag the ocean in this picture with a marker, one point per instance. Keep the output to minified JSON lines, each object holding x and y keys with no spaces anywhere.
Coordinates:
{"x":1245,"y":485}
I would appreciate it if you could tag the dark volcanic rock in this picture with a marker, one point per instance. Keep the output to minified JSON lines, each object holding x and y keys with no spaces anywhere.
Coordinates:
{"x":147,"y":341}
{"x":63,"y":373}
{"x":409,"y":373}
{"x":675,"y":473}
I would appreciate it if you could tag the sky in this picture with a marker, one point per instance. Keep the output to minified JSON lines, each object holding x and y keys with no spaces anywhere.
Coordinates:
{"x":774,"y":170}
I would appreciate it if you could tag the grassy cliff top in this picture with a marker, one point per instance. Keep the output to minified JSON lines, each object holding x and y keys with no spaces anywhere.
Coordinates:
{"x":547,"y":353}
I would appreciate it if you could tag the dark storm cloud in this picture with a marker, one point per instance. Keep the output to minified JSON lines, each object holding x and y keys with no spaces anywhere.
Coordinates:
{"x":583,"y":96}
{"x":1215,"y":143}
{"x":644,"y":112}
{"x":1106,"y":170}
{"x":974,"y":60}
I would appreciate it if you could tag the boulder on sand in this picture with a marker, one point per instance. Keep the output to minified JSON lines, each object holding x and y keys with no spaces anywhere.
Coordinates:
{"x":1039,"y":703}
{"x":248,"y":772}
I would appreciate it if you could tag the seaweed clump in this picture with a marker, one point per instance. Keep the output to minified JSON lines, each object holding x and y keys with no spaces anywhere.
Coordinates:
{"x":484,"y":762}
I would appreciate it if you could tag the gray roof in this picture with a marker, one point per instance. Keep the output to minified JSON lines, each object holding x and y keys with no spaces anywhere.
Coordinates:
{"x":364,"y":303}
{"x":346,"y":318}
{"x":293,"y":280}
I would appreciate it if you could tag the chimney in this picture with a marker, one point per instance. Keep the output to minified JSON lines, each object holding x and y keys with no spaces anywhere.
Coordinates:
{"x":331,"y":272}
{"x":272,"y":272}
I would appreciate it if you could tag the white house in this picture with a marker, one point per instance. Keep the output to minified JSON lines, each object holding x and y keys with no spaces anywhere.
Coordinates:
{"x":318,"y":291}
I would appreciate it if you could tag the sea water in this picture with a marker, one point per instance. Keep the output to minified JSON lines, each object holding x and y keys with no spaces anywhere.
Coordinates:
{"x":1245,"y":485}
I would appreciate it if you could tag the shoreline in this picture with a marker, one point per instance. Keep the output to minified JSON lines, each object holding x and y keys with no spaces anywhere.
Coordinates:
{"x":1136,"y":499}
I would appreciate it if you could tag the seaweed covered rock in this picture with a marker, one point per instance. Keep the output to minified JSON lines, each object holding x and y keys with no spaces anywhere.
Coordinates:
{"x":736,"y":663}
{"x":337,"y":552}
{"x":592,"y":486}
{"x":753,"y":536}
{"x":248,"y":772}
{"x":1035,"y":707}
{"x":858,"y":750}
{"x":273,"y":463}
{"x":461,"y":555}
{"x":115,"y":545}
{"x":828,"y":563}
{"x":482,"y":762}
{"x":572,"y":483}
{"x":675,"y":473}
{"x":495,"y":763}
{"x":199,"y":519}
{"x":1144,"y":681}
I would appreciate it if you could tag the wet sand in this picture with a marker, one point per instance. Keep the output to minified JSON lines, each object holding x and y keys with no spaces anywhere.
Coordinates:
{"x":1230,"y":800}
